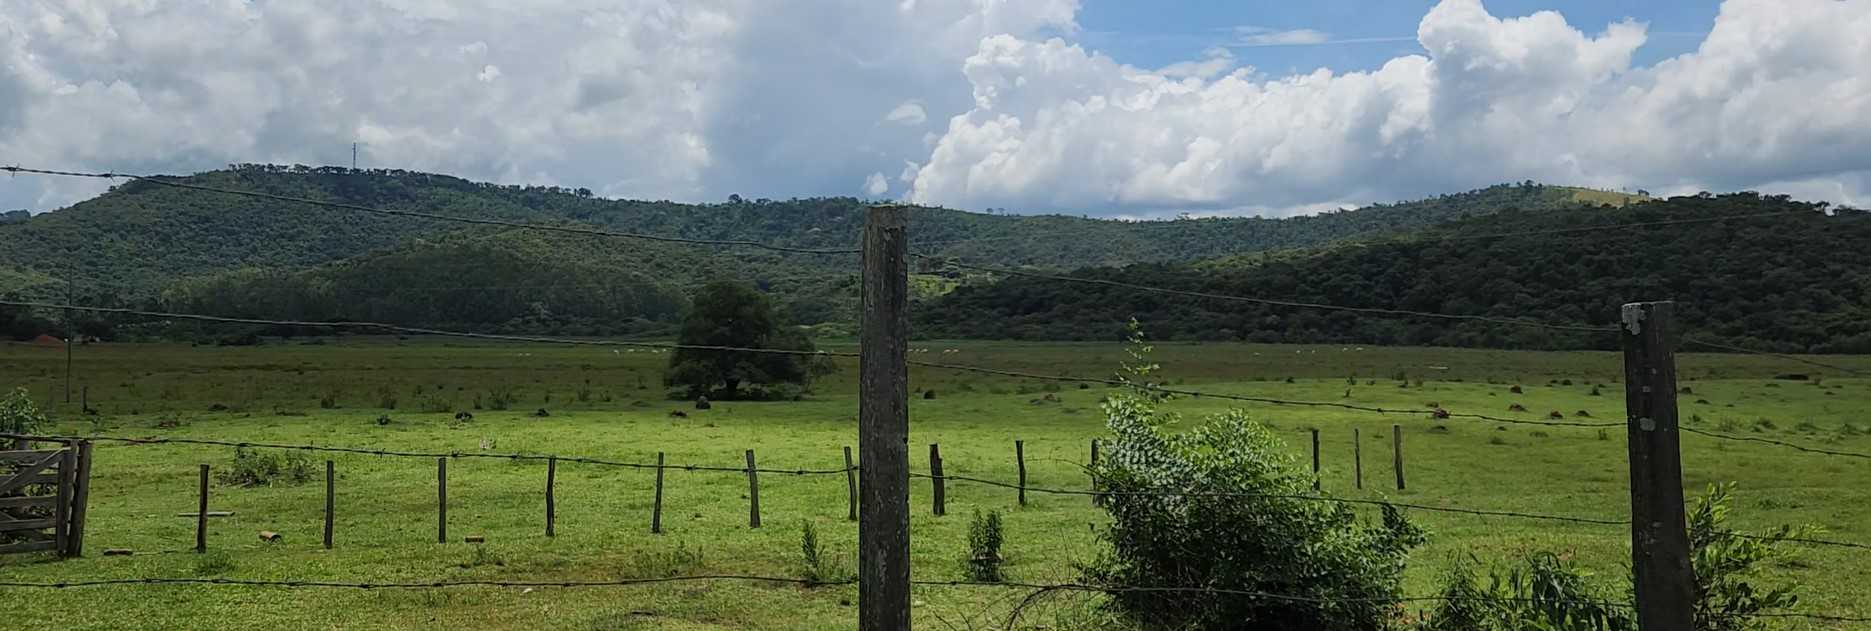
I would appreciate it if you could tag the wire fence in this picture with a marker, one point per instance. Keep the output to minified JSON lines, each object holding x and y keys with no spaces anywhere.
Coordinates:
{"x":1035,"y":589}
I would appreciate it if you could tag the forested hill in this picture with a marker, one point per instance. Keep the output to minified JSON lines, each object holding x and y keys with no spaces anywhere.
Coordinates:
{"x":137,"y":239}
{"x":1795,"y":283}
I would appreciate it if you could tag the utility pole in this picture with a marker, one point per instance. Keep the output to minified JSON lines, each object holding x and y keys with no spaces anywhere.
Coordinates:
{"x":68,"y":336}
{"x":353,"y":156}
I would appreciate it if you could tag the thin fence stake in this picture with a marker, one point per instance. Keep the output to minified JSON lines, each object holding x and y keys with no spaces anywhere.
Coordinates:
{"x":201,"y":514}
{"x":552,"y":472}
{"x":331,"y":504}
{"x":441,"y":500}
{"x":61,"y":511}
{"x":1315,"y":459}
{"x":1357,"y":458}
{"x":1019,"y":457}
{"x":935,"y":479}
{"x":656,"y":513}
{"x":1663,"y":580}
{"x":851,"y":485}
{"x":1396,"y":452}
{"x":753,"y":492}
{"x":1096,"y":500}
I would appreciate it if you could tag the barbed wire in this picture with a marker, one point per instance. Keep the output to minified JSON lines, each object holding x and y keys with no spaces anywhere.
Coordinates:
{"x":165,"y":181}
{"x":628,"y":582}
{"x":421,"y":454}
{"x":1770,"y":441}
{"x":1284,"y":496}
{"x":1738,"y":349}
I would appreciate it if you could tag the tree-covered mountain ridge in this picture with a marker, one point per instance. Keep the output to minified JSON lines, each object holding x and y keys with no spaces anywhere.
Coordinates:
{"x":139,"y":237}
{"x":1790,"y":281}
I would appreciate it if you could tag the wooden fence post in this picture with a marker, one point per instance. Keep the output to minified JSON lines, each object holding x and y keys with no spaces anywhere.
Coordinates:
{"x":1663,"y":579}
{"x":552,"y":472}
{"x":61,"y":512}
{"x":201,"y":515}
{"x":851,"y":485}
{"x":1096,"y":500}
{"x":1357,"y":459}
{"x":1396,"y":452}
{"x":656,"y":513}
{"x":753,"y":493}
{"x":81,"y":498}
{"x":331,"y":501}
{"x":883,"y":424}
{"x":1019,"y":457}
{"x":1315,"y":459}
{"x":441,"y":500}
{"x":935,"y":478}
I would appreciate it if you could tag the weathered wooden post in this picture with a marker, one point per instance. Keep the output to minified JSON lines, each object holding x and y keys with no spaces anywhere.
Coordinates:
{"x":851,"y":485}
{"x":201,"y":514}
{"x":883,"y":425}
{"x":1662,"y":577}
{"x":441,"y":500}
{"x":1096,"y":500}
{"x":81,"y":498}
{"x":1315,"y":459}
{"x":1396,"y":452}
{"x":937,"y":483}
{"x":753,"y":493}
{"x":656,"y":513}
{"x":331,"y":502}
{"x":1019,"y":457}
{"x":1357,"y":459}
{"x":552,"y":473}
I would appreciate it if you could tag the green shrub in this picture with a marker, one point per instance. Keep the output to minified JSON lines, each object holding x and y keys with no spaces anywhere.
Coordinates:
{"x":812,"y":563}
{"x":434,"y":403}
{"x":501,"y":398}
{"x":1544,"y":593}
{"x":984,"y":539}
{"x":19,"y":415}
{"x":1275,"y":541}
{"x":256,"y":468}
{"x":1727,"y":566}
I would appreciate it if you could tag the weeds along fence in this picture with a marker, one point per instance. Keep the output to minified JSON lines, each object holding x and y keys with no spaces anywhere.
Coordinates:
{"x":877,"y":479}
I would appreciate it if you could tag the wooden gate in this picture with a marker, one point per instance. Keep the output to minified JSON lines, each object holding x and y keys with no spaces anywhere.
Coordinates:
{"x":43,"y":495}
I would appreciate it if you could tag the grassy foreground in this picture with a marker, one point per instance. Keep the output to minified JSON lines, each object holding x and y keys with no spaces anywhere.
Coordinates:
{"x":609,"y":405}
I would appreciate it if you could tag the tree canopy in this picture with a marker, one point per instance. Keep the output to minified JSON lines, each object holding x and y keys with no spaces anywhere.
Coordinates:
{"x":733,"y":316}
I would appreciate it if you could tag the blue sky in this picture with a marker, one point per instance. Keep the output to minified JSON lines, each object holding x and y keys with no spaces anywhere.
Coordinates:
{"x":1093,"y":107}
{"x":1157,"y":34}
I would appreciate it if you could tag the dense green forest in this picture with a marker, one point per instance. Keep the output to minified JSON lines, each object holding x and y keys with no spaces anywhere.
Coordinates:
{"x":160,"y":247}
{"x":1791,"y":283}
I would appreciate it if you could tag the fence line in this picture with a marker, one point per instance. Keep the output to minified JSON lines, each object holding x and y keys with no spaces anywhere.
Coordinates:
{"x":428,"y":454}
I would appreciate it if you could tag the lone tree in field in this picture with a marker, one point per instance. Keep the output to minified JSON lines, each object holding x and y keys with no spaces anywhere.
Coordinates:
{"x":732,"y":314}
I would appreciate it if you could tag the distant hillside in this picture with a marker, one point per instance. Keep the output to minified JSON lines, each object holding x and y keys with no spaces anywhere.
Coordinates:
{"x":1775,"y":283}
{"x":152,"y":245}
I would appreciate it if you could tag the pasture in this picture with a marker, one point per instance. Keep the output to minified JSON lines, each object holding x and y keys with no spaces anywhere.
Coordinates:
{"x":604,"y":404}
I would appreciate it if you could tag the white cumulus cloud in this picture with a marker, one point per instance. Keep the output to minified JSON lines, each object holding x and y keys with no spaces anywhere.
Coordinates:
{"x":875,"y":185}
{"x":1771,"y":98}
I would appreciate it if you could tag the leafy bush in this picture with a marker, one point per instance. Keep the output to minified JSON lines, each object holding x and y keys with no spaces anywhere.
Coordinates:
{"x":256,"y":468}
{"x":19,"y":415}
{"x":1546,"y":594}
{"x":1726,"y":566}
{"x":984,"y":539}
{"x":501,"y":398}
{"x":435,"y":403}
{"x":1243,"y":526}
{"x":813,"y":564}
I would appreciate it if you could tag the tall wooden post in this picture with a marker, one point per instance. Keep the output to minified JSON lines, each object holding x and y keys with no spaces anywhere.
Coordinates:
{"x":331,"y":502}
{"x":1019,"y":457}
{"x":883,"y":425}
{"x":201,"y":514}
{"x":68,"y":336}
{"x":441,"y":500}
{"x":1357,"y":459}
{"x":1096,"y":500}
{"x":656,"y":513}
{"x":851,"y":485}
{"x":61,"y":512}
{"x":552,"y":474}
{"x":1664,"y":580}
{"x":81,"y":498}
{"x":1315,"y":459}
{"x":753,"y":492}
{"x":1396,"y":452}
{"x":938,"y":484}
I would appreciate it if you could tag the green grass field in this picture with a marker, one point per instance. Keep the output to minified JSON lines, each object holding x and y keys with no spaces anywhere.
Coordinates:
{"x":610,"y":405}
